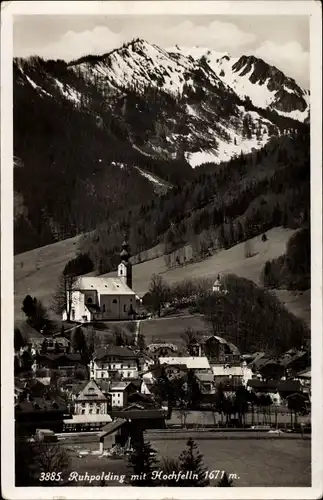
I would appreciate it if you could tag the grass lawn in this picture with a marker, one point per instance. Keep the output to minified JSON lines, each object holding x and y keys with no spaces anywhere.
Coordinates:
{"x":261,"y":462}
{"x":37,"y":271}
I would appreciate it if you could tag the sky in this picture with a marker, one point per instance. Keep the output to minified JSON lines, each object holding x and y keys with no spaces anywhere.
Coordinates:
{"x":280,"y":40}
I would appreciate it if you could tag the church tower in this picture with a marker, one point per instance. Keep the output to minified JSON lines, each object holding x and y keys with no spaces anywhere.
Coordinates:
{"x":125,"y":266}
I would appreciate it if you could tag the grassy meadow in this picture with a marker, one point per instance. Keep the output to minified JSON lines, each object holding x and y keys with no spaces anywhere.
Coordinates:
{"x":37,"y":271}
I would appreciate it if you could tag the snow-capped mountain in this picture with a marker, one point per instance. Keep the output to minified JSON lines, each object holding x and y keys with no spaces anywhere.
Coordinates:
{"x":222,"y":105}
{"x":103,"y":132}
{"x":254,"y":79}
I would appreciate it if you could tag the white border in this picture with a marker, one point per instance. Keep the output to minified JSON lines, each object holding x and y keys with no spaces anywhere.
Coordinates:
{"x":8,"y":10}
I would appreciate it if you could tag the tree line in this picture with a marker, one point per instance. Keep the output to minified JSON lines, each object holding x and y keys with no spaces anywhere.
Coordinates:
{"x":245,"y":314}
{"x":224,"y":205}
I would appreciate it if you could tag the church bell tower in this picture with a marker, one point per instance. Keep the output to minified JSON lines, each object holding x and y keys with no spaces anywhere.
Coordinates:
{"x":125,"y":266}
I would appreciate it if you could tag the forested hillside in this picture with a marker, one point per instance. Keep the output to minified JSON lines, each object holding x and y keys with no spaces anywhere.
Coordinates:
{"x":221,"y":206}
{"x":97,"y":137}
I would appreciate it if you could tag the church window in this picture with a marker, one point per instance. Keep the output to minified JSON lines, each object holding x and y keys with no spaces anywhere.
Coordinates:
{"x":124,"y":308}
{"x":114,"y":301}
{"x":120,"y":272}
{"x":89,"y":300}
{"x":103,"y":308}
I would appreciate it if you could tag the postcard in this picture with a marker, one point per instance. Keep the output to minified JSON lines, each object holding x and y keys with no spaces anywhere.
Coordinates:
{"x":161,"y":249}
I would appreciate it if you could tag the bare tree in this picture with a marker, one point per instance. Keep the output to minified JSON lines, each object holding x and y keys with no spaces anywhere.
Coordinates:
{"x":247,"y":249}
{"x":51,"y":458}
{"x":159,"y":292}
{"x":63,"y":295}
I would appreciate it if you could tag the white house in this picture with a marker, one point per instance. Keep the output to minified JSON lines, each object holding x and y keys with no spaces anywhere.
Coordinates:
{"x":119,"y":393}
{"x":238,"y":374}
{"x":91,"y":400}
{"x":191,"y":362}
{"x":107,"y":362}
{"x":103,"y":298}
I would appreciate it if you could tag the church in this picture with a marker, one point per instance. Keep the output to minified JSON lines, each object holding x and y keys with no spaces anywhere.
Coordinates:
{"x":96,"y":298}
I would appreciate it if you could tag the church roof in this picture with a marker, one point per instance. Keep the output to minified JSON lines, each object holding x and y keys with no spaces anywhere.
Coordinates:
{"x":104,"y":286}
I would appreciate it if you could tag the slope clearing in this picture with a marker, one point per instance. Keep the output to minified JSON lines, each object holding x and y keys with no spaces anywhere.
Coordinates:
{"x":42,"y":267}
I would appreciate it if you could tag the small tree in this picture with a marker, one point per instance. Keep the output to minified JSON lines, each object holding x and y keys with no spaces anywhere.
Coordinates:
{"x":247,"y":249}
{"x":159,"y":292}
{"x":141,"y":342}
{"x":143,"y":463}
{"x":36,"y":313}
{"x":78,"y":341}
{"x":170,"y":466}
{"x":28,"y":306}
{"x":118,"y":337}
{"x":225,"y":481}
{"x":18,"y":339}
{"x":31,"y":459}
{"x":63,"y":296}
{"x":191,"y":460}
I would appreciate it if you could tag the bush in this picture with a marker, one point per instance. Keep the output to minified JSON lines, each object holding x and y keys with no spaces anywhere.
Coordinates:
{"x":292,"y":270}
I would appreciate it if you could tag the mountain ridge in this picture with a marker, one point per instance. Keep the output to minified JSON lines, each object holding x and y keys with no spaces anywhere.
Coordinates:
{"x":97,"y":135}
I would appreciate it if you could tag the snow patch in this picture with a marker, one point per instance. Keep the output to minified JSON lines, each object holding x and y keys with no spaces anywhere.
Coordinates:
{"x":151,"y":178}
{"x":68,"y":92}
{"x":35,"y":86}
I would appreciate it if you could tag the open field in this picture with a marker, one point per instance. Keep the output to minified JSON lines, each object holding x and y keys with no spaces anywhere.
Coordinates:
{"x":36,"y":271}
{"x":272,"y":462}
{"x":262,"y":462}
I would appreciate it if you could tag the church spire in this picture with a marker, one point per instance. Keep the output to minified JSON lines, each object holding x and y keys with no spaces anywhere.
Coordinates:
{"x":125,"y":267}
{"x":125,"y":252}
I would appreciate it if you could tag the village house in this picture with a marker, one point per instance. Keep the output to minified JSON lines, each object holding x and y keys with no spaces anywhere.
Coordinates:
{"x":206,"y":382}
{"x":278,"y":390}
{"x":32,"y":412}
{"x":186,"y":362}
{"x":236,"y":374}
{"x":219,"y":350}
{"x":120,"y":391}
{"x":52,"y":361}
{"x":158,"y":350}
{"x":103,"y":298}
{"x":90,"y":400}
{"x":107,"y":362}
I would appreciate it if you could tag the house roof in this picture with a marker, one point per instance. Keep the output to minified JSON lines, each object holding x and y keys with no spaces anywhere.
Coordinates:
{"x":62,"y":340}
{"x":119,"y":386}
{"x":91,"y":391}
{"x":104,"y":286}
{"x":204,"y":377}
{"x":37,"y":404}
{"x":104,"y":385}
{"x":155,"y":347}
{"x":29,"y":333}
{"x":305,"y":373}
{"x":134,"y":414}
{"x":116,"y":351}
{"x":279,"y":385}
{"x":33,"y":386}
{"x":112,"y":427}
{"x":221,"y":340}
{"x":288,"y":359}
{"x":227,"y":370}
{"x":192,"y":362}
{"x":59,"y":356}
{"x":87,"y":419}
